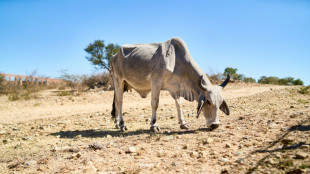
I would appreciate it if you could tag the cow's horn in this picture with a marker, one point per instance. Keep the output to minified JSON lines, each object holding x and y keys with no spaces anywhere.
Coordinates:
{"x":226,"y":81}
{"x":202,"y":86}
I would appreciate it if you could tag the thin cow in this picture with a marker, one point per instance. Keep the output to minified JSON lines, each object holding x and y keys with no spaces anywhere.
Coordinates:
{"x":165,"y":66}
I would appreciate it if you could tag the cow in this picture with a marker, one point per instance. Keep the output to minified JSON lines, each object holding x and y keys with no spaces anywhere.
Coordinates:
{"x":165,"y":66}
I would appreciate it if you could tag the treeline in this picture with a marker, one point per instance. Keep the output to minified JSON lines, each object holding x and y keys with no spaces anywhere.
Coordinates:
{"x":262,"y":80}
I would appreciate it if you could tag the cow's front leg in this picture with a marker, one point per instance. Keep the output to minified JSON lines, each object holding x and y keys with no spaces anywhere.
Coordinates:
{"x":119,"y":121}
{"x":182,"y":122}
{"x":154,"y":103}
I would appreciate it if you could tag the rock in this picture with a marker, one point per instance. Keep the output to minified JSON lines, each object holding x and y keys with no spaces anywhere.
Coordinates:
{"x":26,"y":138}
{"x":146,"y":165}
{"x":30,"y":163}
{"x":291,"y":106}
{"x":15,"y":129}
{"x":131,"y":150}
{"x":208,"y":141}
{"x":6,"y":141}
{"x":271,"y":161}
{"x":90,"y":168}
{"x":193,"y":154}
{"x":296,"y":171}
{"x":2,"y":132}
{"x":41,"y":168}
{"x":55,"y":148}
{"x":301,"y":155}
{"x":109,"y":136}
{"x":75,"y":150}
{"x":167,"y":138}
{"x":239,"y":153}
{"x":227,"y":145}
{"x":304,"y":146}
{"x":225,"y":160}
{"x":95,"y":146}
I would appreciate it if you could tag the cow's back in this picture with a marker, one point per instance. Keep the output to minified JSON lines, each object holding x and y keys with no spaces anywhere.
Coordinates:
{"x":134,"y":64}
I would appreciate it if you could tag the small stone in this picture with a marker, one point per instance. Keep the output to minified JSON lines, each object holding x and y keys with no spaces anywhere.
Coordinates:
{"x":109,"y":136}
{"x":131,"y":150}
{"x":78,"y":155}
{"x":291,"y":106}
{"x":304,"y":146}
{"x":95,"y":146}
{"x":146,"y":165}
{"x":30,"y":163}
{"x":55,"y":148}
{"x":2,"y":132}
{"x":75,"y":150}
{"x":41,"y":168}
{"x":272,"y":161}
{"x":225,"y":160}
{"x":193,"y":154}
{"x":227,"y":145}
{"x":208,"y":141}
{"x":301,"y":155}
{"x":240,"y":160}
{"x":167,"y":138}
{"x":26,"y":138}
{"x":6,"y":141}
{"x":15,"y":128}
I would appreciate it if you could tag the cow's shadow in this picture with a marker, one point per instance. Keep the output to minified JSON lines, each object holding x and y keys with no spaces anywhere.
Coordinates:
{"x":91,"y":133}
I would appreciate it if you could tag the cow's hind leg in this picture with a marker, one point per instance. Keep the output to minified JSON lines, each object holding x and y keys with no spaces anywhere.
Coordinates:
{"x":119,"y":90}
{"x":182,"y":122}
{"x":155,"y":100}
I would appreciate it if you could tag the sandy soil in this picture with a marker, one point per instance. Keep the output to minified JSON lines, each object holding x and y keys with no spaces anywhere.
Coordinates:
{"x":267,"y":132}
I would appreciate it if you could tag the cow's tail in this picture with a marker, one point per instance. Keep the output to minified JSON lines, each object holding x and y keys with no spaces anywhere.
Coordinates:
{"x":113,"y":105}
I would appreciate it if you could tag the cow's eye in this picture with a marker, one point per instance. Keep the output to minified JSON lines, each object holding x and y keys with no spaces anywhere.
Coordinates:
{"x":208,"y":101}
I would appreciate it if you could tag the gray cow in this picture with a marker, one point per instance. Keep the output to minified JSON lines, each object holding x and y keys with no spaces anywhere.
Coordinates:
{"x":164,"y":66}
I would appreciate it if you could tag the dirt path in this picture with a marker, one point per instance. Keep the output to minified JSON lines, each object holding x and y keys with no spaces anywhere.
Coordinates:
{"x":48,"y":105}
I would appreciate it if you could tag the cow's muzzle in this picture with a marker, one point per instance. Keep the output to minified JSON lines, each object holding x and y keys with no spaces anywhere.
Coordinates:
{"x":214,"y":126}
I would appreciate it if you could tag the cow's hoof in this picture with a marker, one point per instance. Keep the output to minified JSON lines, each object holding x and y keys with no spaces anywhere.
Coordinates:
{"x":155,"y":129}
{"x":184,"y":126}
{"x":124,"y":128}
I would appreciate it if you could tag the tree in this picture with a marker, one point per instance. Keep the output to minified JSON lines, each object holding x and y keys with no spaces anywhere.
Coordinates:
{"x":298,"y":82}
{"x":231,"y":71}
{"x":100,"y":54}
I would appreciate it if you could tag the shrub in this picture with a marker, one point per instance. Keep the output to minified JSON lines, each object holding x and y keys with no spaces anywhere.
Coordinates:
{"x":97,"y":80}
{"x":304,"y":90}
{"x":298,"y":82}
{"x":249,"y":80}
{"x":215,"y":77}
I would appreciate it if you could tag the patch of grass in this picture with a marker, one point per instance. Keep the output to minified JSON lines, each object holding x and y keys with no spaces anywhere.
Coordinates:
{"x":64,"y":93}
{"x":303,"y":101}
{"x":304,"y":166}
{"x":13,"y":97}
{"x":304,"y":90}
{"x":286,"y":163}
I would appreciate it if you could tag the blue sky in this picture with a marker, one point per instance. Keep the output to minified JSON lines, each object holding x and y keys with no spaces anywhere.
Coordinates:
{"x":259,"y":38}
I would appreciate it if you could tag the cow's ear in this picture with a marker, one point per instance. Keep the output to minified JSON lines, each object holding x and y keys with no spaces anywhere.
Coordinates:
{"x":224,"y":107}
{"x":168,"y":53}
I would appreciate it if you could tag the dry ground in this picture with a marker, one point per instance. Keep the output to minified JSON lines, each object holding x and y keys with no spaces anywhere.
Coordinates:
{"x":267,"y":132}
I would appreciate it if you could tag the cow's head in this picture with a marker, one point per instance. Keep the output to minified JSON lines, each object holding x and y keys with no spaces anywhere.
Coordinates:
{"x":210,"y":101}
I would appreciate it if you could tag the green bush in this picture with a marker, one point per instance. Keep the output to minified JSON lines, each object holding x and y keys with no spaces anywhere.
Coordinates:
{"x":304,"y":90}
{"x":278,"y":81}
{"x":249,"y":80}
